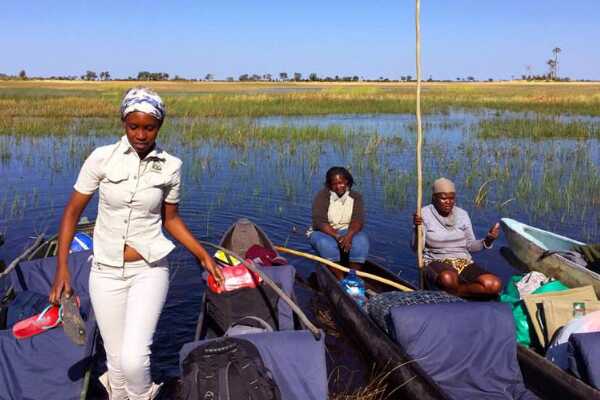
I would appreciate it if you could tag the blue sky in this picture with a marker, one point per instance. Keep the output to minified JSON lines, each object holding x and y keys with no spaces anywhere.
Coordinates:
{"x":484,"y":39}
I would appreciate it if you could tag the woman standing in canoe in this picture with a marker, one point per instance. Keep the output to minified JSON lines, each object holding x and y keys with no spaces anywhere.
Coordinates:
{"x":449,"y":241}
{"x":139,"y":185}
{"x":338,"y":219}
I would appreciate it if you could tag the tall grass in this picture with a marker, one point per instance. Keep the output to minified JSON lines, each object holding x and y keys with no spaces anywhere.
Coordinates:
{"x":509,"y":164}
{"x":377,"y":387}
{"x":536,"y":128}
{"x":61,"y":102}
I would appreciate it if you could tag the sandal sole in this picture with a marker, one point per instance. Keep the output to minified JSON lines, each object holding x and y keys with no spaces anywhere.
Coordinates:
{"x":73,"y":324}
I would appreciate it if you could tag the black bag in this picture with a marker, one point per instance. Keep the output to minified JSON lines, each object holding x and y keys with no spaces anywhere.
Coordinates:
{"x":227,"y":308}
{"x":227,"y":369}
{"x":8,"y":297}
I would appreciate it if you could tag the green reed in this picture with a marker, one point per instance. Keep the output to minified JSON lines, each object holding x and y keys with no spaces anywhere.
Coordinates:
{"x":535,"y":128}
{"x":41,"y":108}
{"x":497,"y":166}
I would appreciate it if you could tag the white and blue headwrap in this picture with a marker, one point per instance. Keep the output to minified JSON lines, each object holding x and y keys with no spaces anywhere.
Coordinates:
{"x":144,"y":100}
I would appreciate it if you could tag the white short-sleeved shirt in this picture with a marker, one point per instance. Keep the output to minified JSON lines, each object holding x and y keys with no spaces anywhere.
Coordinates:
{"x":132,"y":192}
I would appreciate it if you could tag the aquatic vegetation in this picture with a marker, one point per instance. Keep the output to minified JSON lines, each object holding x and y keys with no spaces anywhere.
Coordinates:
{"x":377,"y":387}
{"x":540,"y":167}
{"x":482,"y":192}
{"x":536,"y":128}
{"x":58,"y":108}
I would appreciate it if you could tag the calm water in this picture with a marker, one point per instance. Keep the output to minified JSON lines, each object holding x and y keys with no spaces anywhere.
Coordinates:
{"x":552,"y":184}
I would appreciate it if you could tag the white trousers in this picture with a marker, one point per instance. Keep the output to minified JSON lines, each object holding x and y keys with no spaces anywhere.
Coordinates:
{"x":127,"y":302}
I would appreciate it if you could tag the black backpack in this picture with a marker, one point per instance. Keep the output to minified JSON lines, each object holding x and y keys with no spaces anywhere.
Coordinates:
{"x":227,"y":369}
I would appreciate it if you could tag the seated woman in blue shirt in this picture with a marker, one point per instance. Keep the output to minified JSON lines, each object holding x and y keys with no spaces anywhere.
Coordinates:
{"x":449,"y":241}
{"x":338,"y":220}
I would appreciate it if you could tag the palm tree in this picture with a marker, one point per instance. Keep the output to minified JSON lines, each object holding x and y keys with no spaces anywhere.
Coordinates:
{"x":555,"y":51}
{"x":528,"y":68}
{"x":552,"y":65}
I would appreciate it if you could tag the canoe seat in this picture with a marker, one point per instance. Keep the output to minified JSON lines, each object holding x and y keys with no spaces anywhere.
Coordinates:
{"x":469,"y":349}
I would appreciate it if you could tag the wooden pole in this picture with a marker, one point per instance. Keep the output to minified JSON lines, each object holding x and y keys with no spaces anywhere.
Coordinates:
{"x":419,"y":238}
{"x":344,"y":269}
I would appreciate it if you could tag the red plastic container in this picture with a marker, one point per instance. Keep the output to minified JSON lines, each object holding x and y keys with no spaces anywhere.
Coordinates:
{"x":236,"y":277}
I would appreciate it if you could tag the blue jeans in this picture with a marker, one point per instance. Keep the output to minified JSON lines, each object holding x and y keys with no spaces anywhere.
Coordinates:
{"x":328,"y":248}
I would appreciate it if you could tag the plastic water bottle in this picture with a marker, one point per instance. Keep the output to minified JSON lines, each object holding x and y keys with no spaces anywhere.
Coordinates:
{"x":578,"y":310}
{"x":355,"y":287}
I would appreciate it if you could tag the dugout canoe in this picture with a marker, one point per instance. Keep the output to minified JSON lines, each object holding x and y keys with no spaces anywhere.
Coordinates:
{"x":293,"y":352}
{"x":540,"y":375}
{"x":91,"y":389}
{"x":543,"y":251}
{"x":405,"y":377}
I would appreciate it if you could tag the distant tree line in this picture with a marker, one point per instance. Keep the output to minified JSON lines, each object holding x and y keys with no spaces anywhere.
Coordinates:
{"x":281,"y":77}
{"x":163,"y":76}
{"x":551,"y":75}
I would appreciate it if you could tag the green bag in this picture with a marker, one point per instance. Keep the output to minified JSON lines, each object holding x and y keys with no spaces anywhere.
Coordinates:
{"x":552,"y":286}
{"x":511,"y":296}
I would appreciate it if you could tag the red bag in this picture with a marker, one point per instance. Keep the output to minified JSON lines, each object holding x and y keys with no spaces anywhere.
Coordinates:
{"x":236,"y":277}
{"x":266,"y":257}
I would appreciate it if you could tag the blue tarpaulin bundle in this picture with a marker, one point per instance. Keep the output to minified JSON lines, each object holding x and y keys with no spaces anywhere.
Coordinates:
{"x":48,"y":366}
{"x":584,"y":357}
{"x":467,"y":348}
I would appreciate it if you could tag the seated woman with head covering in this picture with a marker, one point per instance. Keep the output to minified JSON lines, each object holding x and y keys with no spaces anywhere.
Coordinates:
{"x":338,"y":219}
{"x":449,"y":240}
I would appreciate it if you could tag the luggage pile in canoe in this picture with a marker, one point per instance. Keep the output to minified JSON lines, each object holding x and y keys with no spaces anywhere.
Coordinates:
{"x":449,"y":350}
{"x":287,"y":359}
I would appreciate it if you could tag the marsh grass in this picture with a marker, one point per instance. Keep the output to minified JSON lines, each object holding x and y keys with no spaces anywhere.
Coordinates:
{"x":56,"y":104}
{"x":536,"y":128}
{"x":554,"y":182}
{"x":377,"y":387}
{"x":542,"y":165}
{"x":482,"y":193}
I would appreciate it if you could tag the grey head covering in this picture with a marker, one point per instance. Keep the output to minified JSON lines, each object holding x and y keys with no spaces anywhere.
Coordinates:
{"x":144,"y":100}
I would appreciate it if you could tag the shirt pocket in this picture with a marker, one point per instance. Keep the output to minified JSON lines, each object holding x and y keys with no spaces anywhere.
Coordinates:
{"x":115,"y":175}
{"x":156,"y":180}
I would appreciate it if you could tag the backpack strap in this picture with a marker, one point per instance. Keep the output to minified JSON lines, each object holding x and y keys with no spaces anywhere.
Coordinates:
{"x":250,"y":318}
{"x":261,"y":385}
{"x":224,"y":393}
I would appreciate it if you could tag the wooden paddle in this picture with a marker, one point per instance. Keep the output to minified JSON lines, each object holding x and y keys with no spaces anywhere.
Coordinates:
{"x":344,"y":269}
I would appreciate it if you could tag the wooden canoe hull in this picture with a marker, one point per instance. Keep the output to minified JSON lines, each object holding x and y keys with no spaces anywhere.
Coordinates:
{"x":405,"y":376}
{"x":531,"y":253}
